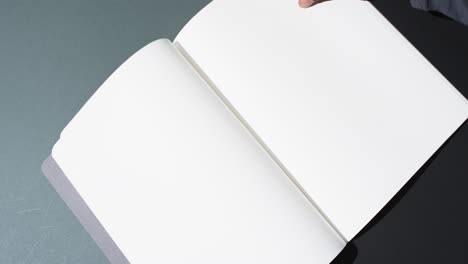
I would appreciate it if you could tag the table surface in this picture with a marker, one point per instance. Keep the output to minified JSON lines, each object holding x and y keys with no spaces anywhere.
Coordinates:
{"x":54,"y":54}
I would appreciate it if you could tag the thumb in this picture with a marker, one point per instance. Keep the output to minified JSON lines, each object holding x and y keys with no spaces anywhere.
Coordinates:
{"x":306,"y":3}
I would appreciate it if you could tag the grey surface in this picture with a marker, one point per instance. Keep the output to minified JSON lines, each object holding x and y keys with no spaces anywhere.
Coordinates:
{"x":80,"y":209}
{"x":53,"y":56}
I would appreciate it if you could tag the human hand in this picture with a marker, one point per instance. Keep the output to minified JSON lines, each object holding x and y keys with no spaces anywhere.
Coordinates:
{"x":309,"y":3}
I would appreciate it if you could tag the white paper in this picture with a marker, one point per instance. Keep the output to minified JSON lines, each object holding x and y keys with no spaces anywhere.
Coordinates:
{"x":174,"y":177}
{"x":348,"y":106}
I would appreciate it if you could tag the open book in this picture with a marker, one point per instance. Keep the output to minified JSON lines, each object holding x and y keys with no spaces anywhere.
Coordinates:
{"x":262,"y":134}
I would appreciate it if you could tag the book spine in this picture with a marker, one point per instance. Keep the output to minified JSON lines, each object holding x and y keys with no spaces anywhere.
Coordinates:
{"x":257,"y":138}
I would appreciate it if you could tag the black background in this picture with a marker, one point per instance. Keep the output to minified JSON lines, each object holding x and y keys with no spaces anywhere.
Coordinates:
{"x":427,"y":222}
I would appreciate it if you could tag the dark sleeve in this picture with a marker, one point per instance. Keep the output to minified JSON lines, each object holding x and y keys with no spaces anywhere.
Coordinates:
{"x":455,"y":9}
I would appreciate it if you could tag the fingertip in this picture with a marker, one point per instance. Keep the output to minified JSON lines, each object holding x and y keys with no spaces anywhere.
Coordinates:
{"x":306,"y":3}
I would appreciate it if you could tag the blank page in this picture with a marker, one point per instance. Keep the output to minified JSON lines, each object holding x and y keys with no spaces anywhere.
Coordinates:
{"x":174,"y":177}
{"x":349,"y":107}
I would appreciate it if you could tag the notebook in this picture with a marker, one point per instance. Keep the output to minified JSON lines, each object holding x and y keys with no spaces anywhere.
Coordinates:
{"x":261,"y":134}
